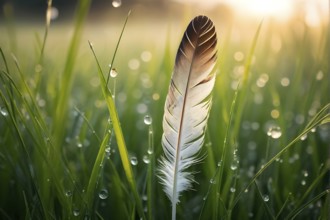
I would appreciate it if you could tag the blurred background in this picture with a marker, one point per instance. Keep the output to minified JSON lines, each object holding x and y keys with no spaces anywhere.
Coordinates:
{"x":154,"y":22}
{"x":313,"y":12}
{"x":288,"y":84}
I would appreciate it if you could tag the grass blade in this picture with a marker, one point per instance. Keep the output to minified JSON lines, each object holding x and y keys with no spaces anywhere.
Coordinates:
{"x":96,"y":171}
{"x":308,"y":191}
{"x":118,"y":42}
{"x":268,"y":211}
{"x":301,"y":208}
{"x":317,"y":120}
{"x":243,"y":94}
{"x":224,"y":152}
{"x":150,"y":174}
{"x":119,"y":137}
{"x":66,"y":81}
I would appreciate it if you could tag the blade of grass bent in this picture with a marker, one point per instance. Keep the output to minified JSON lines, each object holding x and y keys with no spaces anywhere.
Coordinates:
{"x":308,"y":192}
{"x":313,"y":200}
{"x":119,"y":137}
{"x":317,"y":120}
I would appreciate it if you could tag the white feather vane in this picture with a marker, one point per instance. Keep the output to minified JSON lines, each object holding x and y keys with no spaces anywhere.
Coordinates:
{"x":187,"y":106}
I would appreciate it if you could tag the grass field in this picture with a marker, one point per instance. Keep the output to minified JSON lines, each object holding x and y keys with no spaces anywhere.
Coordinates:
{"x":72,"y":147}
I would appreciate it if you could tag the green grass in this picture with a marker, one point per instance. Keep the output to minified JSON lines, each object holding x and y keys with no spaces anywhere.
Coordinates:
{"x":69,"y":149}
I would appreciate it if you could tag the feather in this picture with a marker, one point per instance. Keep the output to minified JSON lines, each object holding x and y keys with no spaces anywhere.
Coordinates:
{"x":187,"y":107}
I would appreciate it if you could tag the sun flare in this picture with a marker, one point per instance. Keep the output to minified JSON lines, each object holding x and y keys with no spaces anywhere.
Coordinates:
{"x":314,"y":10}
{"x":281,"y":8}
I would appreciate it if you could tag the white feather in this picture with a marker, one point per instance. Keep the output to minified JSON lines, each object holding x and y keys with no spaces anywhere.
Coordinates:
{"x":187,"y":106}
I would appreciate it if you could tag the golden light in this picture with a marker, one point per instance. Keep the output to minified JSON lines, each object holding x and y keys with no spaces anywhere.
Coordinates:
{"x":281,"y":9}
{"x":314,"y":10}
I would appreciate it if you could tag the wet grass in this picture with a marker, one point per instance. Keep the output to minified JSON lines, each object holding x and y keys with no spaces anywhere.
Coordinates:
{"x":74,"y":146}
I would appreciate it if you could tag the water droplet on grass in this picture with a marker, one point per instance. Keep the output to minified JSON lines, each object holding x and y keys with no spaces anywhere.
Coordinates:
{"x":79,"y":144}
{"x":53,"y":13}
{"x":113,"y":73}
{"x":303,"y":182}
{"x":146,"y":159}
{"x":305,"y":173}
{"x":116,"y":3}
{"x":103,"y":194}
{"x":147,"y":120}
{"x":232,"y":189}
{"x":3,"y":111}
{"x":134,"y":161}
{"x":212,"y":181}
{"x":274,"y":132}
{"x":266,"y":198}
{"x":76,"y":212}
{"x":234,"y":165}
{"x":150,"y":151}
{"x":219,"y":163}
{"x":304,"y":137}
{"x":68,"y":193}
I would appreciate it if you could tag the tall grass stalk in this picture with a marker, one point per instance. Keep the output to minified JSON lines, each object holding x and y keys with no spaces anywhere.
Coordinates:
{"x":151,"y":174}
{"x":224,"y":155}
{"x":117,"y":46}
{"x":119,"y":137}
{"x":61,"y":110}
{"x":247,"y":68}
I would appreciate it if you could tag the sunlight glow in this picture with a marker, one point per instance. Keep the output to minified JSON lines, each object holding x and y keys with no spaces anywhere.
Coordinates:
{"x":263,"y":8}
{"x":314,"y":10}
